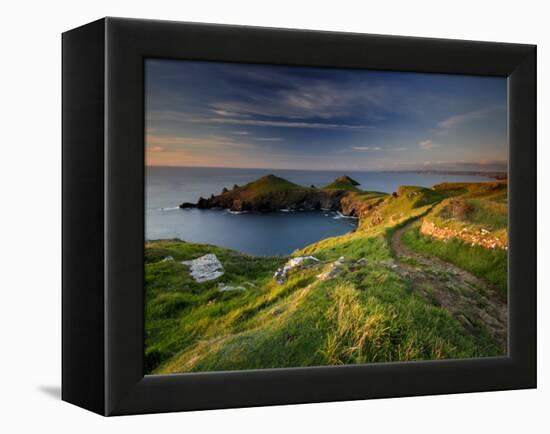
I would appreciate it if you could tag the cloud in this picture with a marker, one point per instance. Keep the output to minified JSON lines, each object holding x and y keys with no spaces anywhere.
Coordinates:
{"x":283,"y":124}
{"x":184,"y":117}
{"x":456,"y":121}
{"x":167,"y":143}
{"x":378,"y":148}
{"x":302,"y":99}
{"x":239,"y":133}
{"x":269,"y":139}
{"x":427,"y":145}
{"x":230,"y":113}
{"x":366,"y":148}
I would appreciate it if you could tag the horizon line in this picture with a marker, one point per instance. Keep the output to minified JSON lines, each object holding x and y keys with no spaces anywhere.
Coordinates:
{"x":334,"y":170}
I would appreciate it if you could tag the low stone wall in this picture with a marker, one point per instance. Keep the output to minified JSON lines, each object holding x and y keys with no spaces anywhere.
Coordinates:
{"x":483,"y":237}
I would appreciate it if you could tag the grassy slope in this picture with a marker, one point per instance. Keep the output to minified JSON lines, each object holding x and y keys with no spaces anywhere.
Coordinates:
{"x":487,"y":210}
{"x":267,"y":184}
{"x":490,"y":265}
{"x":365,"y":314}
{"x":342,"y":183}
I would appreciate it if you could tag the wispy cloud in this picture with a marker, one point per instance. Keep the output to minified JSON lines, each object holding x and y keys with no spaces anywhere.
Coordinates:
{"x":366,"y":148}
{"x":283,"y":124}
{"x":379,"y":148}
{"x":269,"y":139}
{"x":230,"y":113}
{"x":183,"y":117}
{"x":427,"y":145}
{"x":304,"y":99}
{"x":458,"y":120}
{"x":166,"y":143}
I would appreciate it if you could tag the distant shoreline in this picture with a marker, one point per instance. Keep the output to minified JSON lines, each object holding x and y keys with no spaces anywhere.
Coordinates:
{"x":496,"y":174}
{"x":489,"y":174}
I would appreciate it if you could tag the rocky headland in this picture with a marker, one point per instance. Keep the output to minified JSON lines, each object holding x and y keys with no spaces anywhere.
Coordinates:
{"x":272,"y":193}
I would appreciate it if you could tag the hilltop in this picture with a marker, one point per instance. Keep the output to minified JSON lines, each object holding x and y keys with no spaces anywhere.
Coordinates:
{"x":343,"y":183}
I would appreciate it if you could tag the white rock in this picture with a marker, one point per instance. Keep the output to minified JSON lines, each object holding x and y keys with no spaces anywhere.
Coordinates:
{"x":333,"y":269}
{"x":205,"y":268}
{"x":168,"y":259}
{"x":224,"y":288}
{"x":282,"y":273}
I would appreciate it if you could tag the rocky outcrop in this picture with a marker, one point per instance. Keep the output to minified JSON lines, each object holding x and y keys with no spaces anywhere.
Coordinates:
{"x":474,"y":237}
{"x":205,"y":268}
{"x":271,"y":193}
{"x":281,"y":274}
{"x":294,"y":200}
{"x":333,"y":270}
{"x":352,"y":205}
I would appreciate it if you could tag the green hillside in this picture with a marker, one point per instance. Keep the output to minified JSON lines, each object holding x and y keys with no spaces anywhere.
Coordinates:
{"x":265,"y":185}
{"x":342,"y":183}
{"x":385,"y":292}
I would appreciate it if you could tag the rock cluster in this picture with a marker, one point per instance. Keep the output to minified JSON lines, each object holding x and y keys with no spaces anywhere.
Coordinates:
{"x":205,"y":268}
{"x":333,"y":269}
{"x":281,"y":274}
{"x":271,"y":193}
{"x":481,"y":237}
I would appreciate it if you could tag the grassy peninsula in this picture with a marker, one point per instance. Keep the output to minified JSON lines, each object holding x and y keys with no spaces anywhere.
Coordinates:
{"x":422,"y":277}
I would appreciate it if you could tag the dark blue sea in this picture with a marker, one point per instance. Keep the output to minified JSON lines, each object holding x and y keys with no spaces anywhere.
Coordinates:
{"x":256,"y":234}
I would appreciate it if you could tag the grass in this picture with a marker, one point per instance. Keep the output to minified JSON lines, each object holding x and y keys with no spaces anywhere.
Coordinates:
{"x":487,"y":264}
{"x":342,"y":183}
{"x":366,"y":313}
{"x":269,"y":184}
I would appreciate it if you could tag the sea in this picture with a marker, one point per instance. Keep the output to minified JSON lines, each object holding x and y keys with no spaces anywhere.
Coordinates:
{"x":271,"y":234}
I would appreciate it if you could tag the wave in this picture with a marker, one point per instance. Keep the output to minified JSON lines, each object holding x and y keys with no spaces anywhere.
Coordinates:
{"x":342,"y":216}
{"x":230,"y":211}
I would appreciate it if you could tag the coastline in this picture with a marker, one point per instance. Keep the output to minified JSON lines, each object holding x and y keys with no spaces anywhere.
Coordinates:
{"x":245,"y":318}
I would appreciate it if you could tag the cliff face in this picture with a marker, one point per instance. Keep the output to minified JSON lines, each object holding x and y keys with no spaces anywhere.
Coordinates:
{"x":272,"y":193}
{"x":359,"y":205}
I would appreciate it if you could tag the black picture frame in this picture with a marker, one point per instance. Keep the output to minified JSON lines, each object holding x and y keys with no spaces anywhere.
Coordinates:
{"x":103,"y":218}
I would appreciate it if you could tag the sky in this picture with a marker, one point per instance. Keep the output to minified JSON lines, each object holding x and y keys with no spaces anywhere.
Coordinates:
{"x":210,"y":114}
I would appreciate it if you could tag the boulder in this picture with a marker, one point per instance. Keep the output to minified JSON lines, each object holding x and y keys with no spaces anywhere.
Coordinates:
{"x":205,"y":268}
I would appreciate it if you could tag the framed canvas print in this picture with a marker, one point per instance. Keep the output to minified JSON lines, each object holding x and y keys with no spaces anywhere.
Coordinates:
{"x":262,"y":216}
